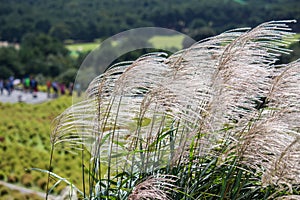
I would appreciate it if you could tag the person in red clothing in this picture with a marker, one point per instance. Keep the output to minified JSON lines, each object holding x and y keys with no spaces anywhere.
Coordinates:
{"x":62,"y":88}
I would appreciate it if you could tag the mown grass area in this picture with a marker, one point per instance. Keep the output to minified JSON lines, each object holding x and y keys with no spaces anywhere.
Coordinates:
{"x":294,"y":39}
{"x":159,"y":42}
{"x":241,"y":2}
{"x":83,"y":47}
{"x":167,"y":42}
{"x":25,"y":144}
{"x":76,"y":48}
{"x":297,"y":36}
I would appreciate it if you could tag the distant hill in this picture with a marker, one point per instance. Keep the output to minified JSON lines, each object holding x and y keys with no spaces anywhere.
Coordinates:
{"x":86,"y":20}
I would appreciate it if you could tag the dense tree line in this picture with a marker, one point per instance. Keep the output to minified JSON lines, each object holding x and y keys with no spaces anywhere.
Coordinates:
{"x":87,"y":20}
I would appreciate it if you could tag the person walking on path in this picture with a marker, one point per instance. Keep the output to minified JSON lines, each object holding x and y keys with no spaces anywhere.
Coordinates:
{"x":34,"y":87}
{"x":7,"y":87}
{"x":55,"y":89}
{"x":71,"y":86}
{"x":78,"y":89}
{"x":48,"y":84}
{"x":26,"y":84}
{"x":1,"y":86}
{"x":62,"y":88}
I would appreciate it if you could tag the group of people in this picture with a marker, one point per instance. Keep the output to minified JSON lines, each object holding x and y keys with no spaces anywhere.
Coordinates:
{"x":60,"y":88}
{"x":30,"y":85}
{"x":7,"y":85}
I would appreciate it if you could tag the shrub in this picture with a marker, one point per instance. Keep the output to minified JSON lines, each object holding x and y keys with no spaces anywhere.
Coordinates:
{"x":27,"y":180}
{"x":4,"y":191}
{"x":2,"y":176}
{"x":42,"y":183}
{"x":12,"y":178}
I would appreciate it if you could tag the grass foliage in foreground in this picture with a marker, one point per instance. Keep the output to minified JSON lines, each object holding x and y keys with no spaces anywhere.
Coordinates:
{"x":219,"y":120}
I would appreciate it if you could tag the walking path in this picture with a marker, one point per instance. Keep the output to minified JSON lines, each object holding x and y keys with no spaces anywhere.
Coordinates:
{"x":17,"y":96}
{"x":27,"y":191}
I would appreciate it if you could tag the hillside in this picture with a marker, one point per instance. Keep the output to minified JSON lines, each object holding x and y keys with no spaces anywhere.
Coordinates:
{"x":87,"y":20}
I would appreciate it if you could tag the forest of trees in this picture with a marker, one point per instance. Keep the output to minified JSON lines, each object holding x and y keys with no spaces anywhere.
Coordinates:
{"x":42,"y":27}
{"x":87,"y":20}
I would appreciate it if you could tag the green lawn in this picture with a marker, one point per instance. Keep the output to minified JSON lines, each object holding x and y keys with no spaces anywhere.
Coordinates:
{"x":297,"y":36}
{"x":167,"y":42}
{"x":293,"y":39}
{"x":243,"y":2}
{"x":159,"y":42}
{"x":81,"y":47}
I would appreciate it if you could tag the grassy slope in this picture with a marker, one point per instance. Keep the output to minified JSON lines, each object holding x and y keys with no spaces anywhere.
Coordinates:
{"x":25,"y":143}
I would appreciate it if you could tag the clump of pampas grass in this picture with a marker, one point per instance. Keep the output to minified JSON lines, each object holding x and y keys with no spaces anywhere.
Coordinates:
{"x":223,"y":103}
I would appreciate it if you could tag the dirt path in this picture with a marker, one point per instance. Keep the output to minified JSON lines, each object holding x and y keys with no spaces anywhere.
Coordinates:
{"x":27,"y":191}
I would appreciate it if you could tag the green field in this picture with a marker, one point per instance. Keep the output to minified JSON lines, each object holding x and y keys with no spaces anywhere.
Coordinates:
{"x":158,"y":42}
{"x":167,"y":42}
{"x":293,"y":39}
{"x":81,"y":47}
{"x":297,"y":36}
{"x":25,"y":144}
{"x":243,"y":2}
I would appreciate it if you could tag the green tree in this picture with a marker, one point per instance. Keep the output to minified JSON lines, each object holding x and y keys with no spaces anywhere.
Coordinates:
{"x":60,"y":31}
{"x":202,"y":32}
{"x":10,"y":63}
{"x":44,"y":54}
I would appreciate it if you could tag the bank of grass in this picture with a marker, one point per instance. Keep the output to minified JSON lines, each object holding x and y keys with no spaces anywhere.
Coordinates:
{"x":24,"y":144}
